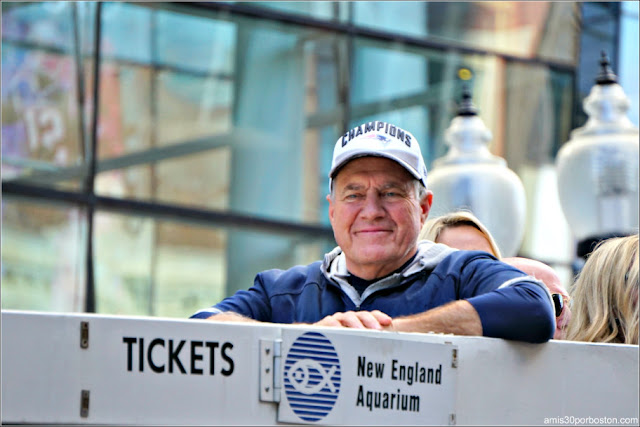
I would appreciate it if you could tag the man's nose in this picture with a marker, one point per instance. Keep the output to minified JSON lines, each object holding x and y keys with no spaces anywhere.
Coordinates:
{"x":373,"y":206}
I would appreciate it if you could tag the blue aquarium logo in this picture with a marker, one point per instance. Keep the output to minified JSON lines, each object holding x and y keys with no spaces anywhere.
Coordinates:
{"x":312,"y":376}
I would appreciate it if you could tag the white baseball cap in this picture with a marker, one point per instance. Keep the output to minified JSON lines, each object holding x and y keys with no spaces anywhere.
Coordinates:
{"x":379,"y":139}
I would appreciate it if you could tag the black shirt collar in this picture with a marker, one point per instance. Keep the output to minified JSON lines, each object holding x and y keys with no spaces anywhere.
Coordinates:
{"x":361,"y":284}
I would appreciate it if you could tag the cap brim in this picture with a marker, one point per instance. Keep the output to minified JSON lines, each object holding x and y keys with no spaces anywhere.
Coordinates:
{"x":334,"y":171}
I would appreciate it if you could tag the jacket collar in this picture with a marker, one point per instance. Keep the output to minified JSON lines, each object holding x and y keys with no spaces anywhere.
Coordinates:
{"x":334,"y":267}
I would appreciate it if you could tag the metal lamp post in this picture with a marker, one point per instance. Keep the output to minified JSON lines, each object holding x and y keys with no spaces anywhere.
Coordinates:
{"x":470,"y":178}
{"x":598,"y":167}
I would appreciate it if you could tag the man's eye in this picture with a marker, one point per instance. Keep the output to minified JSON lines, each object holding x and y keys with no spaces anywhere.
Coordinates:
{"x":351,"y":196}
{"x":391,"y":194}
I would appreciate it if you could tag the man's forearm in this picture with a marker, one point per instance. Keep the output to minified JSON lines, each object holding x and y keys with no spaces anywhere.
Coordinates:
{"x":459,"y":318}
{"x":230,"y":316}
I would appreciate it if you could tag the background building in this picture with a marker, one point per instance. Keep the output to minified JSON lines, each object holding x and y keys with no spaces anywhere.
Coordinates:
{"x":155,"y":156}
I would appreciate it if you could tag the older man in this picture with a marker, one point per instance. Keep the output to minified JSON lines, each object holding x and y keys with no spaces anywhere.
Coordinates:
{"x":379,"y":276}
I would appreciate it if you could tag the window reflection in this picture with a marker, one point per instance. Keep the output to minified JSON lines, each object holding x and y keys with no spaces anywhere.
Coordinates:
{"x":40,"y":130}
{"x":43,"y":258}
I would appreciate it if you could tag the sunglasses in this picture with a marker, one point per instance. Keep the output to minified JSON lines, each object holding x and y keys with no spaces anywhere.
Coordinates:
{"x":558,"y":303}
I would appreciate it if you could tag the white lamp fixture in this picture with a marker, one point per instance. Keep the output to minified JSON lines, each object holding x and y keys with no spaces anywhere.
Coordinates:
{"x":470,"y":178}
{"x":598,"y":167}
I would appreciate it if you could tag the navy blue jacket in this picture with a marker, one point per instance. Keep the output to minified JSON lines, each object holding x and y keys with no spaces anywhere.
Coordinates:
{"x":510,"y":304}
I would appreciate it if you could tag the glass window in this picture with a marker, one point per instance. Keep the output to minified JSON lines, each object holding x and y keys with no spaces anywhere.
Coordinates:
{"x":199,"y":129}
{"x":201,"y":44}
{"x":40,"y":123}
{"x":599,"y":27}
{"x":313,"y":9}
{"x":628,"y":64}
{"x":557,"y":40}
{"x":537,"y":110}
{"x":40,"y":23}
{"x":406,"y":17}
{"x":43,"y":256}
{"x":420,"y":89}
{"x":207,"y":107}
{"x":384,"y":73}
{"x":173,"y":269}
{"x":126,"y":33}
{"x":522,"y":29}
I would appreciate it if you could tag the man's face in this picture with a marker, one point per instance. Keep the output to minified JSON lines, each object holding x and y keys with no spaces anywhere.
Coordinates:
{"x":375,"y":216}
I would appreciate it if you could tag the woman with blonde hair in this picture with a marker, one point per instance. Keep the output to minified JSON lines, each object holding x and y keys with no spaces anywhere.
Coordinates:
{"x":460,"y":230}
{"x":605,"y":294}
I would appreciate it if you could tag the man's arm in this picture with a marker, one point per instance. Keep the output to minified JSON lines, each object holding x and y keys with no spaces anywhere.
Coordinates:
{"x":243,"y":306}
{"x":230,"y":316}
{"x":521,"y":311}
{"x":351,"y":319}
{"x":510,"y":304}
{"x":458,"y":317}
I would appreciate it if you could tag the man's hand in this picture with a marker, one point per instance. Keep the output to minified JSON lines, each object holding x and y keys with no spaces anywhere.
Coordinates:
{"x":357,"y":319}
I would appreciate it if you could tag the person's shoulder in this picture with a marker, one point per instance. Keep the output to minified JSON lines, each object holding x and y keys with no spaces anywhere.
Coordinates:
{"x":464,"y":257}
{"x":293,"y":276}
{"x":471,"y":260}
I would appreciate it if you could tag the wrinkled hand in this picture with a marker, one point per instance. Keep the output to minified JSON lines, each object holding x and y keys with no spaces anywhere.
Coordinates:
{"x":357,"y":319}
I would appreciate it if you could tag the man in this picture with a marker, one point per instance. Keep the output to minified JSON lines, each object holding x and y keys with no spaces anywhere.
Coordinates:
{"x":379,"y":276}
{"x":550,"y":278}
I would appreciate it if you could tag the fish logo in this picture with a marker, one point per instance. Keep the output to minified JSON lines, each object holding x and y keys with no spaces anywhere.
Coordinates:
{"x":300,"y":378}
{"x":312,"y":376}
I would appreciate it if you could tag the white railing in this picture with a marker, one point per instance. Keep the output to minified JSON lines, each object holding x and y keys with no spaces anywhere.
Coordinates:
{"x":96,"y":369}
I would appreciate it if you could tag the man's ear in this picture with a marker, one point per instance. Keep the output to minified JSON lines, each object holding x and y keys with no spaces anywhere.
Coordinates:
{"x":425,"y":206}
{"x":331,"y":208}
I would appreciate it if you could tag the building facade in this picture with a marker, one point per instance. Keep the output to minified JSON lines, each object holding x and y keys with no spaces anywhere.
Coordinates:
{"x":155,"y":156}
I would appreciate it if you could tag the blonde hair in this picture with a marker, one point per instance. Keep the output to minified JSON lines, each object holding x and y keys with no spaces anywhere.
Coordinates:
{"x":605,"y":294}
{"x":433,"y":227}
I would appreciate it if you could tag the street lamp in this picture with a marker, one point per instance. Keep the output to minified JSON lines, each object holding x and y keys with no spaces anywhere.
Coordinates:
{"x":469,"y":177}
{"x":598,"y":167}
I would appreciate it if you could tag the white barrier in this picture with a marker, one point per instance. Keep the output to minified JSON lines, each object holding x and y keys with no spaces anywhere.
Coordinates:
{"x":96,"y":369}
